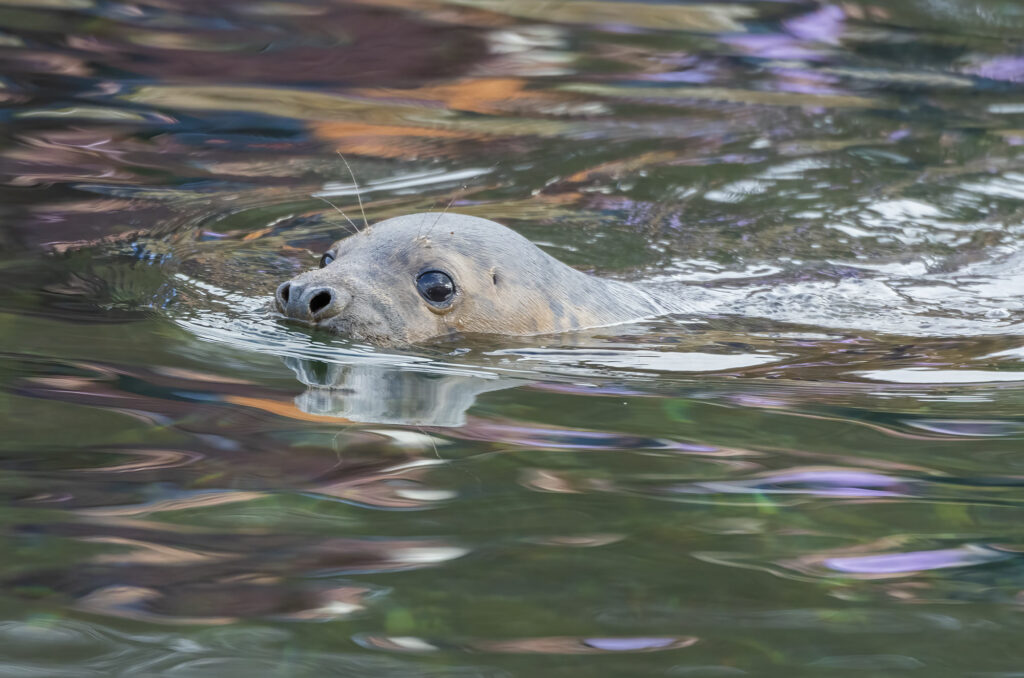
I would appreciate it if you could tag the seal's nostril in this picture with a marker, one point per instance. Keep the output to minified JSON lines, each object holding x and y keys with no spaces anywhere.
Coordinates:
{"x":320,"y":301}
{"x":283,"y":291}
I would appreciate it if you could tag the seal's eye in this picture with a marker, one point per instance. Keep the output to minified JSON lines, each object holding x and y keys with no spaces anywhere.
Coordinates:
{"x":327,"y":258}
{"x":436,"y":287}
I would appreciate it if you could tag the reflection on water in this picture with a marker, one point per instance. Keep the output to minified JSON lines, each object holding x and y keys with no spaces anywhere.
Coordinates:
{"x":814,"y":469}
{"x":371,"y":393}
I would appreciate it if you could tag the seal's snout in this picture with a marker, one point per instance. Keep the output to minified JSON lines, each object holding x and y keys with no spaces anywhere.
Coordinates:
{"x":310,"y":303}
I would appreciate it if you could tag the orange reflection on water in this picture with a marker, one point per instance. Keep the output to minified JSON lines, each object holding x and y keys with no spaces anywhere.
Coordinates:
{"x":283,"y":409}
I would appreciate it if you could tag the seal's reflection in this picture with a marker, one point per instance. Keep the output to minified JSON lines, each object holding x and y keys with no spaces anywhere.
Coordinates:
{"x":390,"y":394}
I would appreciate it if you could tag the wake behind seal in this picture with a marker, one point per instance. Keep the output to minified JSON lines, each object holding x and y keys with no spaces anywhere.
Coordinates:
{"x":419,"y":276}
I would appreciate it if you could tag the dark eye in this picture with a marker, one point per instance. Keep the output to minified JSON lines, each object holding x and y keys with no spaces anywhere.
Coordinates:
{"x":436,"y":287}
{"x":327,"y":258}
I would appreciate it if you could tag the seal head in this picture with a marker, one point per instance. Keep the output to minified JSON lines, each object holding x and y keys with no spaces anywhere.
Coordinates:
{"x":418,"y":276}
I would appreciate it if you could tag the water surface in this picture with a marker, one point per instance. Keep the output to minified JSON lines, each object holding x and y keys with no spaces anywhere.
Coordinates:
{"x":814,"y":471}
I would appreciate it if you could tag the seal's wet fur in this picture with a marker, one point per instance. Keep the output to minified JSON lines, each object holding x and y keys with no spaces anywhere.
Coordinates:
{"x":504,"y":284}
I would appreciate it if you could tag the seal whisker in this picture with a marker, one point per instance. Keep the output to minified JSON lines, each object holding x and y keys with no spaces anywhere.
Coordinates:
{"x":320,"y":197}
{"x":356,"y":184}
{"x":441,"y":216}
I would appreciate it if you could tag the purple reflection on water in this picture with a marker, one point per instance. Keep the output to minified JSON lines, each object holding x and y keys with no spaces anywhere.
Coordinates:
{"x":837,"y":478}
{"x":821,"y":483}
{"x":967,"y":427}
{"x":804,"y":81}
{"x":915,"y":561}
{"x":624,"y":29}
{"x":1007,"y":68}
{"x":531,"y":436}
{"x":772,"y":47}
{"x":693,"y":76}
{"x":628,"y":644}
{"x":581,"y":389}
{"x":751,"y":400}
{"x":824,"y":25}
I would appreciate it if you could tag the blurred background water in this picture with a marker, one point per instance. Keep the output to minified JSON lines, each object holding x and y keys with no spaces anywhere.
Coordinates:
{"x":816,"y":472}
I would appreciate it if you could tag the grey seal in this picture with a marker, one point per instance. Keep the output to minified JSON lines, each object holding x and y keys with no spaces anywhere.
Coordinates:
{"x":418,"y":276}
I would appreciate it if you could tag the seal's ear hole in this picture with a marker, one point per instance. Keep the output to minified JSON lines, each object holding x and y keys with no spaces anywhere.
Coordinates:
{"x":494,"y":277}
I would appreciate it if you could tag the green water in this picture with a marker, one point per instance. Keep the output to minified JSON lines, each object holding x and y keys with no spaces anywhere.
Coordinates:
{"x":818,"y":471}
